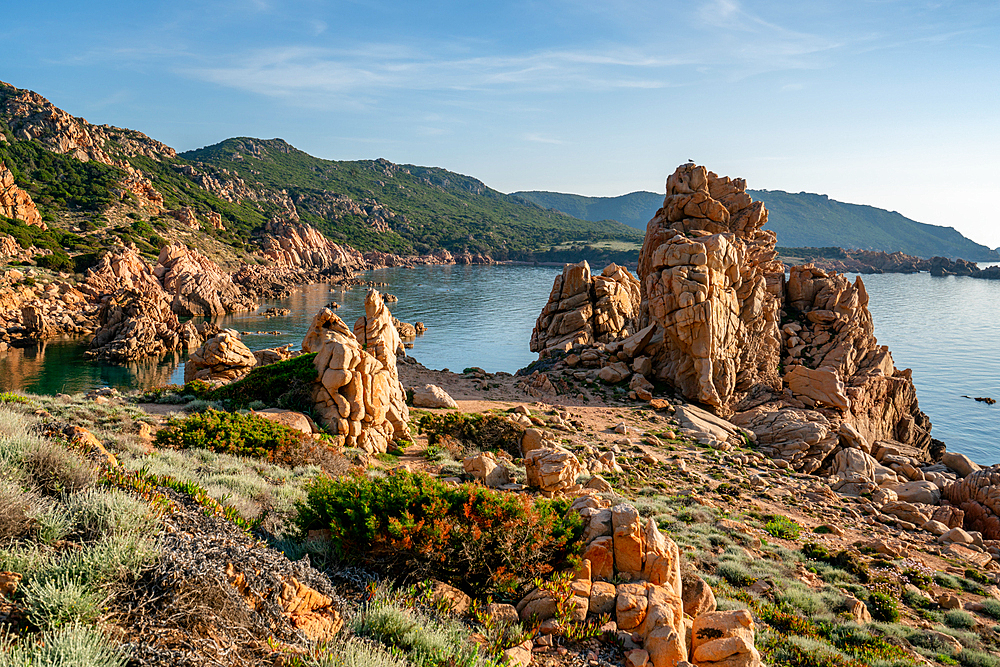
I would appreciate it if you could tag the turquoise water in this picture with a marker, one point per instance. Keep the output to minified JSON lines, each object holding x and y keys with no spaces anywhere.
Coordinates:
{"x":945,"y":329}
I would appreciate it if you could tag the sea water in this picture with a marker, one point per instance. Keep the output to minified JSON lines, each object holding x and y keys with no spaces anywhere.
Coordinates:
{"x":944,"y":329}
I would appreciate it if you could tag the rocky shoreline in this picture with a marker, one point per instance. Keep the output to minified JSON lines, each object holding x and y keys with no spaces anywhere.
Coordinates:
{"x":870,"y":262}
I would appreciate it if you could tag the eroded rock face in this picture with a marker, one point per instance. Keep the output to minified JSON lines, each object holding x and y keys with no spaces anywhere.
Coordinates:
{"x":834,"y":330}
{"x":294,"y":244}
{"x":222,"y":359}
{"x":704,"y":270}
{"x":16,"y":203}
{"x":198,"y":285}
{"x":584,"y":309}
{"x":358,"y":391}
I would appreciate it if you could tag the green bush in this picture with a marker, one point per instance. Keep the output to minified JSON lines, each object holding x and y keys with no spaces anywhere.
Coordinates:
{"x":469,"y":535}
{"x":424,"y":640}
{"x":229,"y":433}
{"x":960,"y":620}
{"x":55,"y":470}
{"x":76,"y":645}
{"x":883,"y":607}
{"x":483,"y":432}
{"x":355,"y":652}
{"x":285,"y":384}
{"x":59,"y":601}
{"x":108,"y":512}
{"x":992,"y":608}
{"x":783,"y":527}
{"x":16,"y":510}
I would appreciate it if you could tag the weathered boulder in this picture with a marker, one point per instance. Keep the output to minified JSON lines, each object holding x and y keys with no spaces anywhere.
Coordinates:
{"x":221,"y":360}
{"x":485,"y":468}
{"x":926,"y":493}
{"x":358,"y":392}
{"x":552,"y":469}
{"x":803,"y":438}
{"x":584,"y":309}
{"x":960,"y":463}
{"x":978,"y":495}
{"x":289,"y":418}
{"x":724,"y":638}
{"x":432,"y":396}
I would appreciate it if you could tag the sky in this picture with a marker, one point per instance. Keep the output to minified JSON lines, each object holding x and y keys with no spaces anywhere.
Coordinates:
{"x":892,"y":103}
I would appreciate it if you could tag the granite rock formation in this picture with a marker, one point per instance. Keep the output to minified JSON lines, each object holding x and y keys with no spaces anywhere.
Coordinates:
{"x":297,"y":245}
{"x":221,"y":360}
{"x":198,"y":285}
{"x":978,"y":495}
{"x":16,"y":203}
{"x":794,"y":361}
{"x":358,"y":392}
{"x":584,"y":309}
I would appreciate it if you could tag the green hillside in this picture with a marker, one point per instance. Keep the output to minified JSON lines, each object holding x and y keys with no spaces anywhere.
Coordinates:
{"x":800,"y":220}
{"x":433,"y":208}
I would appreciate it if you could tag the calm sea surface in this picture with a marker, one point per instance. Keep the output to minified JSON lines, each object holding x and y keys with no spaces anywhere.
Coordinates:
{"x":946,"y":329}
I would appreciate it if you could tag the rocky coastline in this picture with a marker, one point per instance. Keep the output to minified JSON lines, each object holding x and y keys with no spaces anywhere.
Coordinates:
{"x":712,"y":464}
{"x":870,"y":262}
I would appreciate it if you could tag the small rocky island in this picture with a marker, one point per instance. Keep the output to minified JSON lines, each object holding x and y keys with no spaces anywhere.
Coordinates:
{"x":711,"y":463}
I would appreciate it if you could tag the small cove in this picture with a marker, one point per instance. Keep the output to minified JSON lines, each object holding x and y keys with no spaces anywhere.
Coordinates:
{"x":945,"y":329}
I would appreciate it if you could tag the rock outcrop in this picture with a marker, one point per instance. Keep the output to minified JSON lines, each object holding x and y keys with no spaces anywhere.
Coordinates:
{"x":221,"y":360}
{"x":198,"y":285}
{"x":793,"y":361}
{"x":710,"y":281}
{"x":584,"y":309}
{"x":358,"y":392}
{"x":978,"y":495}
{"x":16,"y":203}
{"x":297,"y":245}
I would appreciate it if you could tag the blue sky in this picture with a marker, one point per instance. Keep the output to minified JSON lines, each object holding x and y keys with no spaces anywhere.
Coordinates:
{"x":892,"y":103}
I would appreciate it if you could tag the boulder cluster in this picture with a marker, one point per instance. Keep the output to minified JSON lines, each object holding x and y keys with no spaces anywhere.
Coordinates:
{"x":139,"y":305}
{"x":670,"y":614}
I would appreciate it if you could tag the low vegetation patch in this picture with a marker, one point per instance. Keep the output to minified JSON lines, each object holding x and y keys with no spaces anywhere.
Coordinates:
{"x":230,"y":433}
{"x":474,"y":537}
{"x":474,"y":432}
{"x":285,"y":384}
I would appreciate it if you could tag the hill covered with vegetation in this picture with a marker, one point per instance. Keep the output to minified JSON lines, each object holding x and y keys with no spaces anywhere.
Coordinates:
{"x":800,"y":220}
{"x":93,"y":182}
{"x":415,"y":209}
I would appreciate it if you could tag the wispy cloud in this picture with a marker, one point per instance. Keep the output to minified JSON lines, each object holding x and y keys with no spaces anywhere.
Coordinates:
{"x":375,"y":68}
{"x":541,"y":139}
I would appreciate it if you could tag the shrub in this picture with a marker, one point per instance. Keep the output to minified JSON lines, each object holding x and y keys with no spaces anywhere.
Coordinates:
{"x":16,"y":509}
{"x":61,"y":600}
{"x":883,"y":607}
{"x":355,"y":652}
{"x":483,"y":432}
{"x":11,"y":397}
{"x":76,"y":645}
{"x":477,"y":537}
{"x":783,"y":527}
{"x":285,"y":384}
{"x":992,"y":609}
{"x":229,"y":433}
{"x":55,"y":470}
{"x":425,"y":641}
{"x":960,"y":620}
{"x":110,"y":512}
{"x":969,"y":658}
